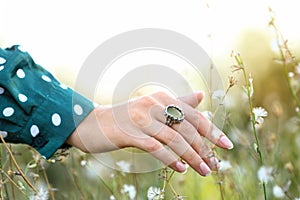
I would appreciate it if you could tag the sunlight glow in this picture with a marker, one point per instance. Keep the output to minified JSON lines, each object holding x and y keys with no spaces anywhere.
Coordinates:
{"x":61,"y":34}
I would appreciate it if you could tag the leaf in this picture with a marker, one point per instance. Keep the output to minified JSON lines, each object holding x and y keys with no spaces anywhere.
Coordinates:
{"x":245,"y":90}
{"x":251,"y":89}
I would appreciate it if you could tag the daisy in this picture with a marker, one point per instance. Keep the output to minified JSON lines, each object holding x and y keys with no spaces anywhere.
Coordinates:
{"x":259,"y":114}
{"x":155,"y":193}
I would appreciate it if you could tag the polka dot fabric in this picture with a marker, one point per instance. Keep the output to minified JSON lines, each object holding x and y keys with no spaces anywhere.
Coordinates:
{"x":35,"y":108}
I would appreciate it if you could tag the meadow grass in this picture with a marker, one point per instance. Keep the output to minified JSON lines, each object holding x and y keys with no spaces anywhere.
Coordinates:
{"x":261,"y":119}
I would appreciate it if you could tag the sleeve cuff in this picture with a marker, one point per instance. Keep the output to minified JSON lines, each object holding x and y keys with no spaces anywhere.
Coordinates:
{"x":55,"y":120}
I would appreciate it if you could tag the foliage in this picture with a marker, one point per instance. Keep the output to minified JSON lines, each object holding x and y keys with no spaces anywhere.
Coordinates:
{"x":262,"y":120}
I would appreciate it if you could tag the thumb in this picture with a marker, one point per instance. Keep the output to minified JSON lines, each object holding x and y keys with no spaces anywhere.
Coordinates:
{"x":192,"y":99}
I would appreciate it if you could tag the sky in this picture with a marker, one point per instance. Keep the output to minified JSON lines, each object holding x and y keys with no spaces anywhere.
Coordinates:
{"x":60,"y":34}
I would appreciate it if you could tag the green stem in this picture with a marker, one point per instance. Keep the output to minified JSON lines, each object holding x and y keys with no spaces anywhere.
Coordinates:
{"x":2,"y":179}
{"x":75,"y":178}
{"x":220,"y":183}
{"x":286,"y":75}
{"x":280,"y":39}
{"x":13,"y":160}
{"x":12,"y":181}
{"x":49,"y":187}
{"x":253,"y":122}
{"x":167,"y":181}
{"x":170,"y":185}
{"x":106,"y":186}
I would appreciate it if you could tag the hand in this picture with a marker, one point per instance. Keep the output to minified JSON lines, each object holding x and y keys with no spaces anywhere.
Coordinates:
{"x":141,"y":123}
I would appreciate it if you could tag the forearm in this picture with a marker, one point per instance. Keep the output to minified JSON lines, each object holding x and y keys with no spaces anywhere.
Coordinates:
{"x":36,"y":109}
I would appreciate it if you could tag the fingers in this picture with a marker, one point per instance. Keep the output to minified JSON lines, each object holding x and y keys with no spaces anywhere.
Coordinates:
{"x":206,"y":128}
{"x":196,"y":118}
{"x":190,"y":153}
{"x":203,"y":125}
{"x":156,"y":149}
{"x":183,"y":138}
{"x":191,"y":138}
{"x":192,"y":99}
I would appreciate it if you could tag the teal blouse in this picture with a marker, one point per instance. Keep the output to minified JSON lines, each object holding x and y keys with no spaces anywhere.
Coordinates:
{"x":35,"y":108}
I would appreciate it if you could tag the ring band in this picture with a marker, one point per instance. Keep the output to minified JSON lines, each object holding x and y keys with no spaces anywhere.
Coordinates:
{"x":173,"y":115}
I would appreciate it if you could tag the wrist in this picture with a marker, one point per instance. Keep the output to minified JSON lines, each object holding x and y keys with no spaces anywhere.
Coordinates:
{"x":89,"y":136}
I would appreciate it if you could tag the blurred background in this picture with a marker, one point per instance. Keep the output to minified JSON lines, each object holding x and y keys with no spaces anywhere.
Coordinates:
{"x":60,"y":35}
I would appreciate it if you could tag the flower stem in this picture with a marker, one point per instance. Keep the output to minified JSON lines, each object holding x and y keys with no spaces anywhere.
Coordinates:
{"x":17,"y":166}
{"x":241,"y":65}
{"x":286,"y":58}
{"x":167,"y":181}
{"x":47,"y":181}
{"x":11,"y":180}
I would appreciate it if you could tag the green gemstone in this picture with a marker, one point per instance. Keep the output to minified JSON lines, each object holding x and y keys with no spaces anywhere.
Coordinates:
{"x":174,"y":112}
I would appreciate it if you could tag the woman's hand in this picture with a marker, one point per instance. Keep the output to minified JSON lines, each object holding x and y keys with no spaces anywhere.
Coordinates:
{"x":141,"y":123}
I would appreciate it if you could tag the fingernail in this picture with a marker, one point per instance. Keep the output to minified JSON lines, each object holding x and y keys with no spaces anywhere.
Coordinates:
{"x":200,"y":91}
{"x":204,"y":169}
{"x":226,"y":142}
{"x":215,"y":162}
{"x":180,"y":166}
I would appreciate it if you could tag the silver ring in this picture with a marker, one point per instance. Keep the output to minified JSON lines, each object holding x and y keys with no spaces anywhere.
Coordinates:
{"x":173,"y":115}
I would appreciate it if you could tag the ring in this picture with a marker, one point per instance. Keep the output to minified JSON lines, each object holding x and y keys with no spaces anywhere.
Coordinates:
{"x":173,"y":115}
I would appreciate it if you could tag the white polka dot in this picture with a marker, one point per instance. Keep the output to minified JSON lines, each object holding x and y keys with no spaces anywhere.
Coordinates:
{"x":34,"y":130}
{"x":20,"y":73}
{"x":46,"y":78}
{"x":78,"y":109}
{"x":56,"y":120}
{"x":3,"y":134}
{"x":1,"y":67}
{"x":1,"y":90}
{"x":9,"y":111}
{"x":22,"y":97}
{"x":2,"y":61}
{"x":63,"y":86}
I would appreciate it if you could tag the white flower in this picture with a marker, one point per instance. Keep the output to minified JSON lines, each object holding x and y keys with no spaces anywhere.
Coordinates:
{"x":259,"y":114}
{"x":218,"y":94}
{"x":129,"y":190}
{"x":112,"y":175}
{"x":297,"y":198}
{"x":83,"y":163}
{"x":154,"y":193}
{"x":42,"y":193}
{"x":291,"y":74}
{"x":278,"y":192}
{"x":123,"y":165}
{"x":112,"y":197}
{"x":224,"y":165}
{"x":264,"y":174}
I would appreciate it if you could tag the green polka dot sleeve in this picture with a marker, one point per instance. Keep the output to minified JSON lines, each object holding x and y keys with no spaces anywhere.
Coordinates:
{"x":35,"y":108}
